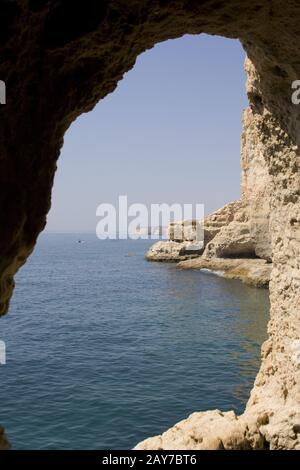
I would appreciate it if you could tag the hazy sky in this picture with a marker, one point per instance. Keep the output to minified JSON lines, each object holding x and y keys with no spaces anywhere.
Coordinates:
{"x":169,"y":133}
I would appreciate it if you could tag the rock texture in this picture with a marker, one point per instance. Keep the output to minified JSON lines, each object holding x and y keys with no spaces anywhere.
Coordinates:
{"x":185,"y":230}
{"x":211,"y":430}
{"x":173,"y":251}
{"x":59,"y":59}
{"x":240,"y":228}
{"x":182,"y":243}
{"x":256,"y":184}
{"x":255,"y":272}
{"x":230,"y":246}
{"x":221,"y":218}
{"x":233,"y":240}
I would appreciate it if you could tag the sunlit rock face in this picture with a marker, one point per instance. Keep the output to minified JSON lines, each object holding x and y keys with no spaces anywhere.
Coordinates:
{"x":256,"y":185}
{"x":60,"y":58}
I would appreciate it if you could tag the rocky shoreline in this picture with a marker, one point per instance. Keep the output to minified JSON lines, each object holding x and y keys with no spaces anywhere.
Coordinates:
{"x":237,"y":237}
{"x":229,"y":247}
{"x":171,"y":252}
{"x":254,"y":272}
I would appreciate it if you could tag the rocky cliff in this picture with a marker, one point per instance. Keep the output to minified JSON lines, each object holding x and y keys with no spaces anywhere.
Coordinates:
{"x":270,"y":201}
{"x":182,"y":235}
{"x":60,"y":58}
{"x":237,"y":239}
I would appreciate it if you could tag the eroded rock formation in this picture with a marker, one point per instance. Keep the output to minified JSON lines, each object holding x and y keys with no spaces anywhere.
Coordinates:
{"x":59,"y":59}
{"x":254,"y":272}
{"x":210,"y":430}
{"x":182,"y":235}
{"x":173,"y":251}
{"x":240,"y":229}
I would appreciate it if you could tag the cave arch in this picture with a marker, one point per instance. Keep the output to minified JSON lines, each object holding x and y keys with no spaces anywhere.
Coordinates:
{"x":58,"y":61}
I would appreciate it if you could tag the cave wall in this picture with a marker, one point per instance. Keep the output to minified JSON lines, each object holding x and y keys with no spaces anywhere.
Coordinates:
{"x":59,"y":58}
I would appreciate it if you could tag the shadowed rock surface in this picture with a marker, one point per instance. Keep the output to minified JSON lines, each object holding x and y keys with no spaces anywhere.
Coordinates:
{"x":59,"y":59}
{"x":4,"y":443}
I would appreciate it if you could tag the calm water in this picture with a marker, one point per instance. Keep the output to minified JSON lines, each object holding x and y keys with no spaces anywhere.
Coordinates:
{"x":105,"y":349}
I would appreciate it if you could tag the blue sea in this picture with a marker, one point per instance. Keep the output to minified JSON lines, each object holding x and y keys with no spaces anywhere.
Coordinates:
{"x":105,"y":349}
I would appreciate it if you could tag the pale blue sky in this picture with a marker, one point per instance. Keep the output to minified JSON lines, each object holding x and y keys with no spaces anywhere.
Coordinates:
{"x":169,"y":133}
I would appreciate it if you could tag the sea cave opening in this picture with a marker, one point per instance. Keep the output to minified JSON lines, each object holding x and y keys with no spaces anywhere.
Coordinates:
{"x":128,"y":344}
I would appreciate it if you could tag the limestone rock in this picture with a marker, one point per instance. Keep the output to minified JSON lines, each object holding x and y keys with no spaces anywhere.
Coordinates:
{"x":235,"y":240}
{"x":172,"y":251}
{"x":256,"y":184}
{"x":182,"y":235}
{"x":59,"y":59}
{"x":185,"y":230}
{"x":254,"y":272}
{"x":209,"y":430}
{"x":272,"y":413}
